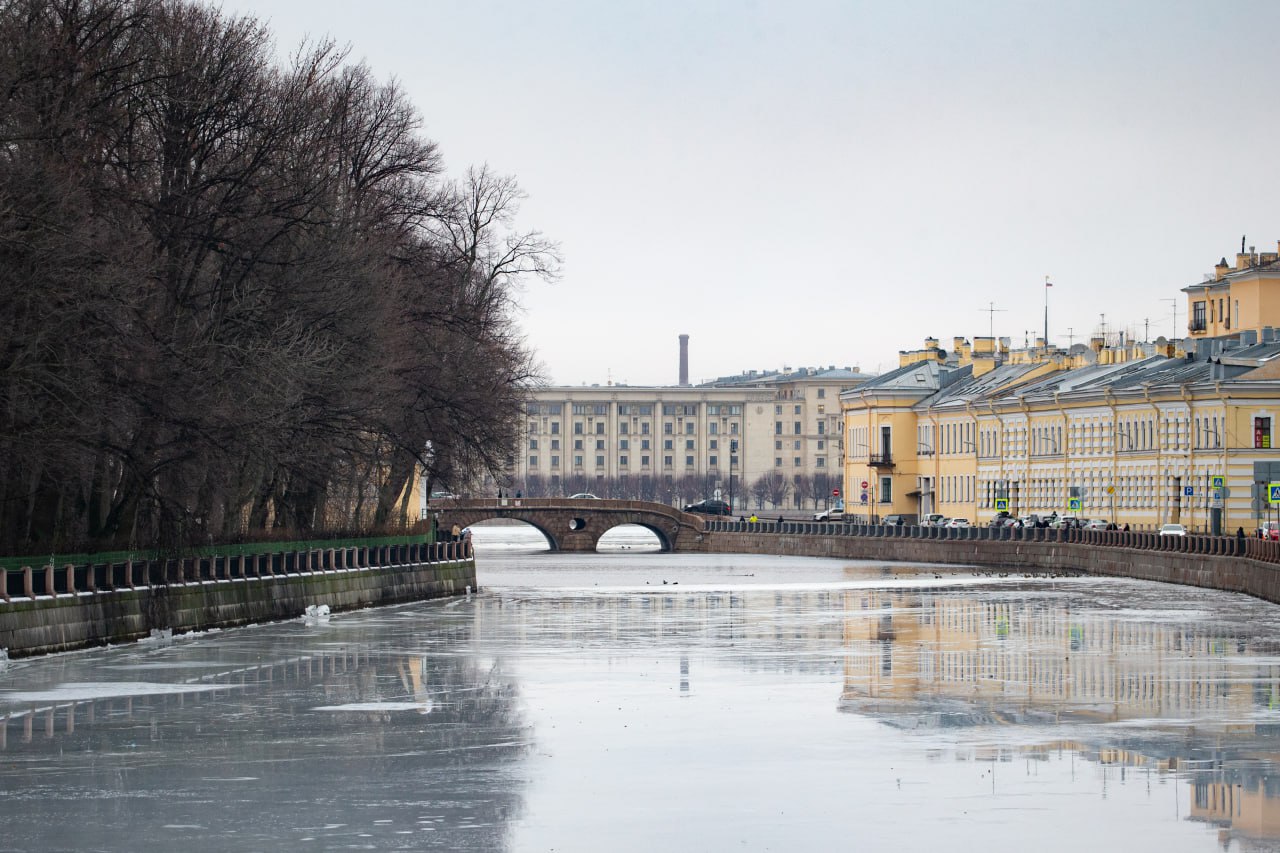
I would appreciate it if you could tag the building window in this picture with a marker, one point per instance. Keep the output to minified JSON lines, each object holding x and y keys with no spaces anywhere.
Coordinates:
{"x":622,"y":462}
{"x":623,"y":444}
{"x":623,"y":427}
{"x":688,"y":462}
{"x":797,"y":461}
{"x":797,"y":444}
{"x":533,"y":462}
{"x":733,"y":428}
{"x":577,"y":428}
{"x":713,"y":428}
{"x":1197,"y":317}
{"x":820,"y":462}
{"x":777,"y":445}
{"x":822,"y":427}
{"x":777,"y":462}
{"x":688,"y":444}
{"x":798,"y":431}
{"x":797,"y":410}
{"x":577,"y":461}
{"x":822,"y":445}
{"x":688,"y":428}
{"x":713,"y":444}
{"x":533,"y":426}
{"x":555,"y":444}
{"x":533,"y":444}
{"x":600,"y":428}
{"x":713,"y":462}
{"x":1262,"y":432}
{"x":555,"y":427}
{"x":667,"y":444}
{"x":886,"y":490}
{"x":644,"y":461}
{"x":644,"y":428}
{"x":822,"y":395}
{"x":577,"y":444}
{"x":777,"y":410}
{"x":599,"y":444}
{"x":644,"y":444}
{"x":668,"y":428}
{"x":599,"y":461}
{"x":666,"y":460}
{"x":555,"y":461}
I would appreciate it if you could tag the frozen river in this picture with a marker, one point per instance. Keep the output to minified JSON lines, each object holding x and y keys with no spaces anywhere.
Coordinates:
{"x":638,"y":701}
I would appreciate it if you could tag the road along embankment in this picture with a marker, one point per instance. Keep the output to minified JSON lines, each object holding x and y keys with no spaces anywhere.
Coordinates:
{"x":50,"y":609}
{"x":1223,"y":571}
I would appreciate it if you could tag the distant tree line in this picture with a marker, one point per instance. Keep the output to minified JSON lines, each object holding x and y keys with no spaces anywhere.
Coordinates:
{"x":772,"y":490}
{"x":235,"y":296}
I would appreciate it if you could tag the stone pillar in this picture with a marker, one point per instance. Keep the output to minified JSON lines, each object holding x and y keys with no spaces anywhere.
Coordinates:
{"x":27,"y":588}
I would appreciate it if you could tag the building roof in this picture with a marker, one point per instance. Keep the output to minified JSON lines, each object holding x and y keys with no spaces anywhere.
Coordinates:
{"x":808,"y":374}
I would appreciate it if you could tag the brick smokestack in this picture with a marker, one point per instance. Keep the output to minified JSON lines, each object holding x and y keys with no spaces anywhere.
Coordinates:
{"x":684,"y":359}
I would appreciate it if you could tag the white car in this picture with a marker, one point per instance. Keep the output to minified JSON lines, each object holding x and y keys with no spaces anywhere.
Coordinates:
{"x":583,"y":496}
{"x":959,"y":522}
{"x":1172,"y":530}
{"x":834,"y":511}
{"x":1096,"y":524}
{"x":934,"y":519}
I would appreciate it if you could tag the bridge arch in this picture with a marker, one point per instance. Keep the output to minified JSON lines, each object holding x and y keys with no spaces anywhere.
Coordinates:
{"x":577,"y":525}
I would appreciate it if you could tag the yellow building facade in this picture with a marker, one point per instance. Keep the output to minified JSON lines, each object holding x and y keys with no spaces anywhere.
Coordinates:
{"x":1137,"y":434}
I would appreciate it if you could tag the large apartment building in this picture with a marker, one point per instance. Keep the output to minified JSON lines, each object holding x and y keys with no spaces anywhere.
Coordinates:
{"x":686,"y":442}
{"x":1133,"y":433}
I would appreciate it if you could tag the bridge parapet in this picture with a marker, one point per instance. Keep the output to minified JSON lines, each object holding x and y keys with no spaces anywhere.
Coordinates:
{"x":577,"y":525}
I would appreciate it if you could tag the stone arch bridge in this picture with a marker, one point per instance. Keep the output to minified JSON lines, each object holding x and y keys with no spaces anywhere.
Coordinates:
{"x":577,"y":525}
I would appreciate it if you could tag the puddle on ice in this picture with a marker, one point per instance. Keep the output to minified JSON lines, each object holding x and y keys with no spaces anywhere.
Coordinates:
{"x":86,"y":690}
{"x":424,"y":707}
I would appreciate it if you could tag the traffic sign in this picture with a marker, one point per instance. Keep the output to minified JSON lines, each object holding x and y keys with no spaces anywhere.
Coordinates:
{"x":1111,"y":490}
{"x":864,"y":484}
{"x":864,"y":497}
{"x":1273,"y":493}
{"x":1218,"y":481}
{"x":1188,"y":491}
{"x":835,"y":493}
{"x":1002,"y":504}
{"x":1073,"y":504}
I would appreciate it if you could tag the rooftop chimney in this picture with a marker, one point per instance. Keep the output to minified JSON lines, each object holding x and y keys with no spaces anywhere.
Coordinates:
{"x":684,"y":359}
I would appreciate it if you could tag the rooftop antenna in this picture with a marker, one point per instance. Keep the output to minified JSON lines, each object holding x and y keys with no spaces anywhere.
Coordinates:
{"x":1146,"y":329}
{"x":1071,"y":339}
{"x":991,"y":311}
{"x":1047,"y":284}
{"x":1173,"y":314}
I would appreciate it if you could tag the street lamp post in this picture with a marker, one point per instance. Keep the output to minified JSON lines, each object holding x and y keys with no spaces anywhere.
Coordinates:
{"x":733,"y":452}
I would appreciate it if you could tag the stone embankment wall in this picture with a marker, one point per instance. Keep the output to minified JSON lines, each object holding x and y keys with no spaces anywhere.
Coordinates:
{"x":59,"y":609}
{"x":1130,"y":556}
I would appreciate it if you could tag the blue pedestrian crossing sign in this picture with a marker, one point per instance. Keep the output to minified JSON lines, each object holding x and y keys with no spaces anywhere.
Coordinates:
{"x":1273,"y":493}
{"x":1073,"y":504}
{"x":1218,"y":481}
{"x":1002,"y":504}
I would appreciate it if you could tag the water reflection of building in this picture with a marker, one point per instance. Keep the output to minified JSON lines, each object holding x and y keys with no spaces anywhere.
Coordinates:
{"x":1032,"y":652}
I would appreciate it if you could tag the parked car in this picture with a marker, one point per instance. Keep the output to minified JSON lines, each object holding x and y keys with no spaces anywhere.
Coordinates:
{"x":959,"y":522}
{"x":1096,"y":524}
{"x":1172,"y":530}
{"x":583,"y":496}
{"x":834,"y":511}
{"x":933,"y":519}
{"x":710,"y":506}
{"x":894,"y":520}
{"x":1269,"y":530}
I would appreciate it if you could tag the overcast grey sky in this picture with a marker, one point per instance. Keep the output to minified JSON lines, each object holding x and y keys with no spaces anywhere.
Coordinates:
{"x":815,"y":183}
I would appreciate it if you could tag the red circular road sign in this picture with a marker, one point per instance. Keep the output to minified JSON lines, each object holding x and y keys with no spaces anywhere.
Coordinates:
{"x":864,"y":484}
{"x":835,"y":493}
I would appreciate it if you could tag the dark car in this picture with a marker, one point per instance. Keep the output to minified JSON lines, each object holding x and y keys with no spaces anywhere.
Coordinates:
{"x":709,"y":507}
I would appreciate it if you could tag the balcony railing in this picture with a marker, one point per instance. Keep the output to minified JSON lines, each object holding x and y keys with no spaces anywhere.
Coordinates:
{"x":880,"y":460}
{"x":1197,"y":326}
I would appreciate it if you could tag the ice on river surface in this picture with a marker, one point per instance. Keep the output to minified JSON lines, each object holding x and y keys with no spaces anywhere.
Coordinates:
{"x":633,"y":701}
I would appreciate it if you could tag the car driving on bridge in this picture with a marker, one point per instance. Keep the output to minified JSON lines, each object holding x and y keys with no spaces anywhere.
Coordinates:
{"x":710,"y":506}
